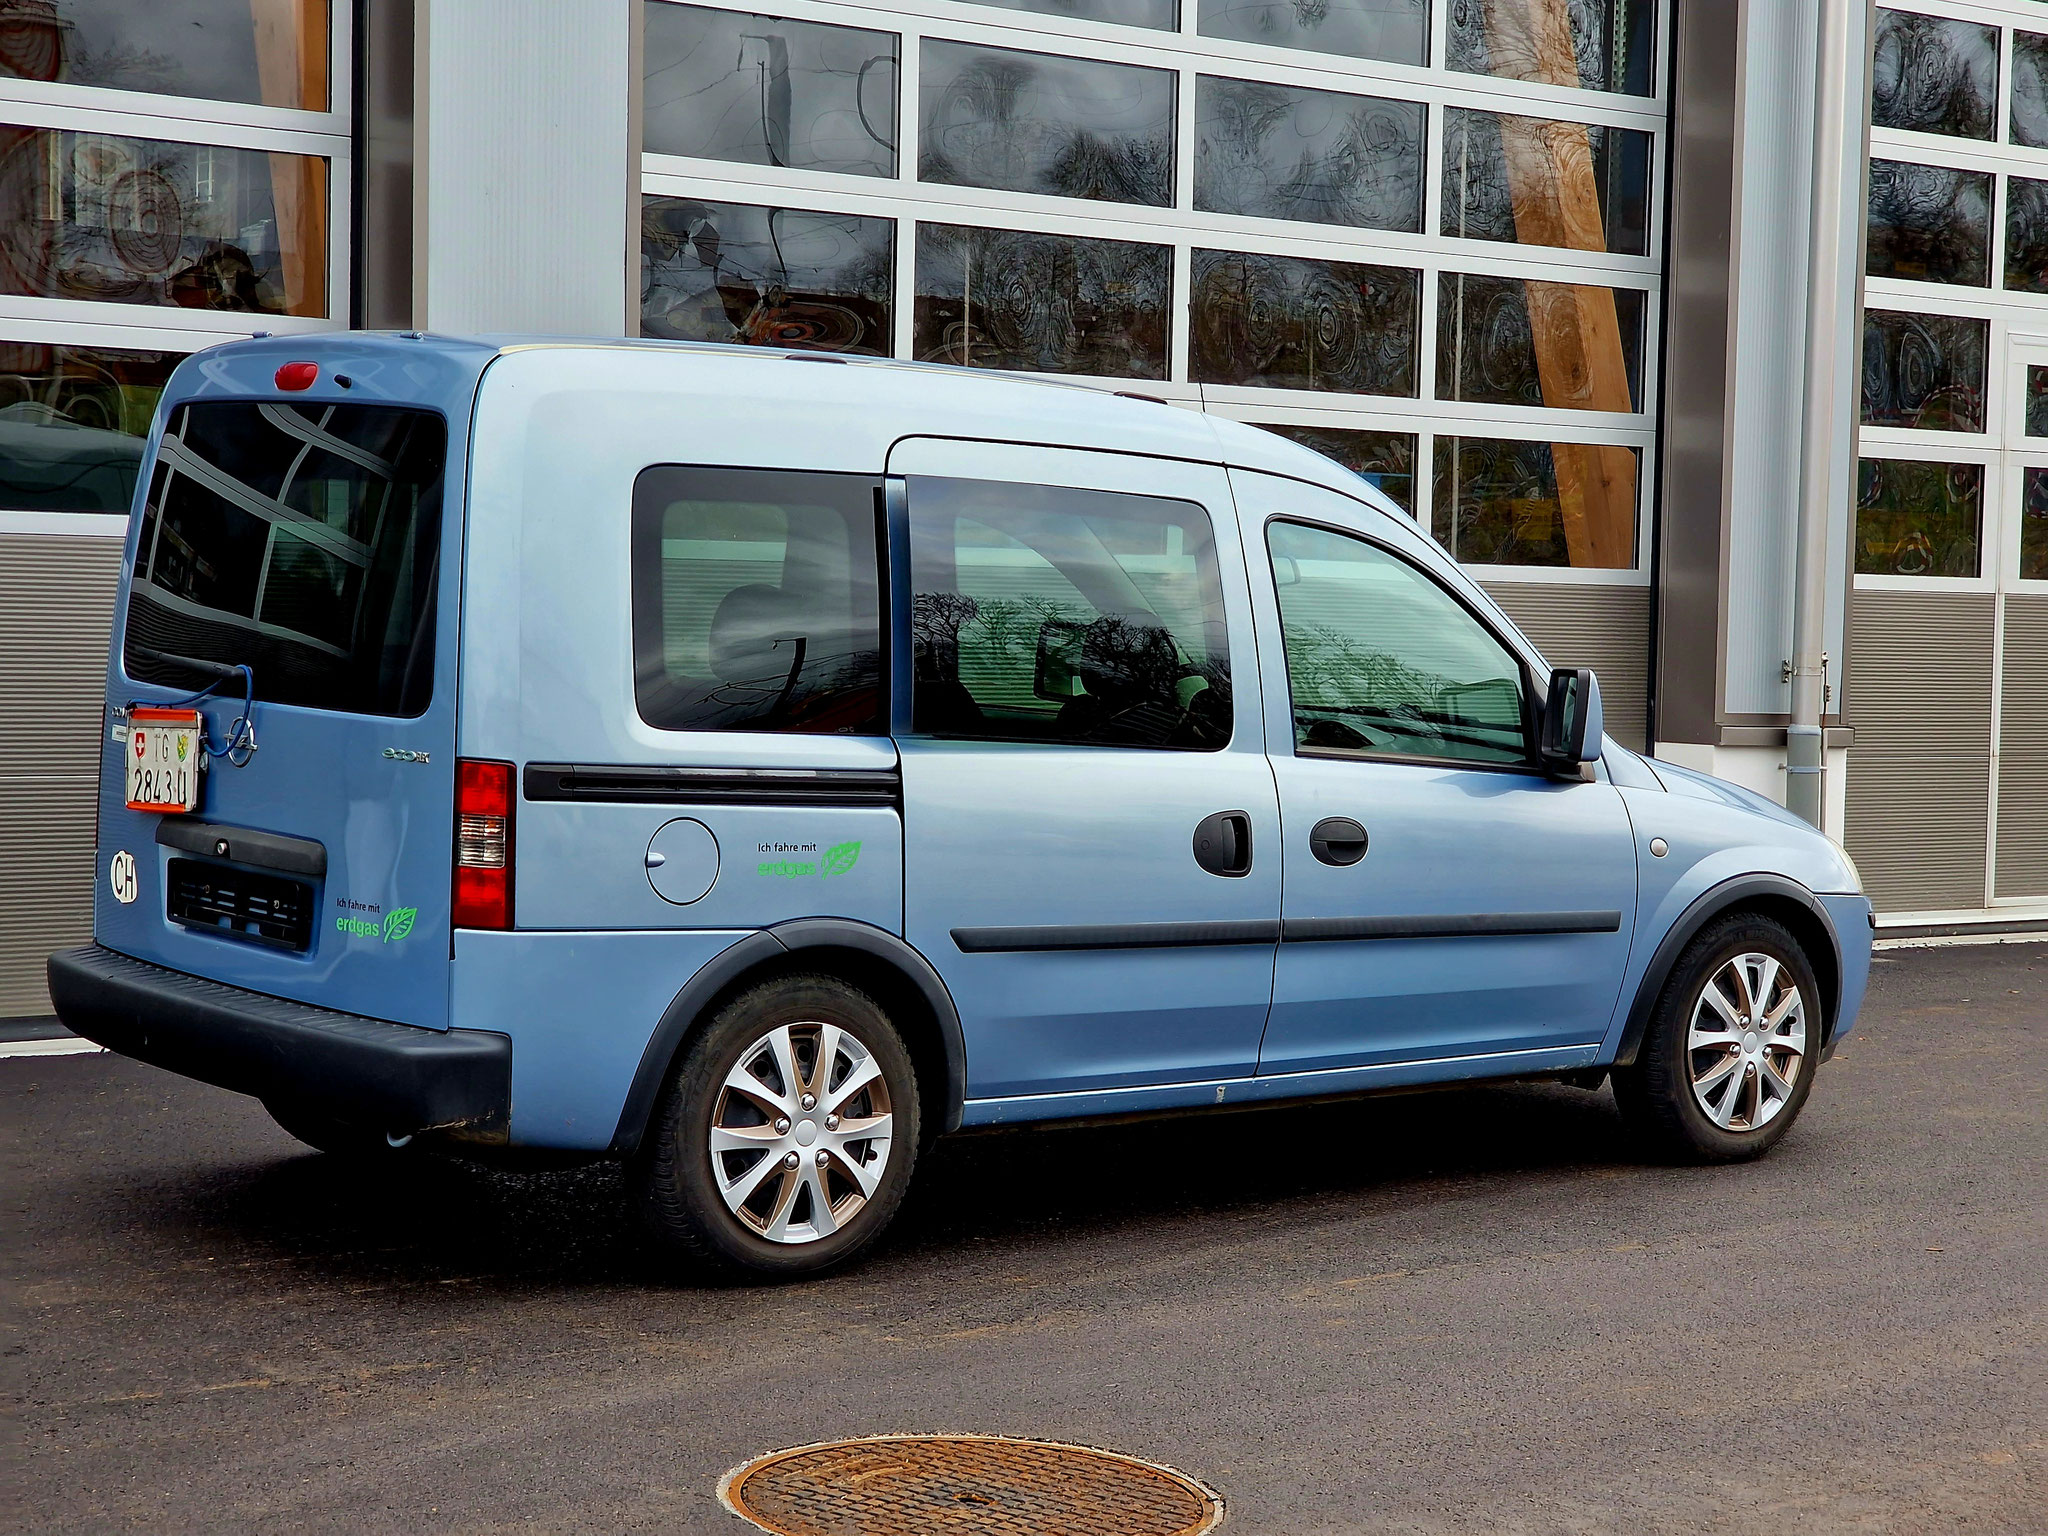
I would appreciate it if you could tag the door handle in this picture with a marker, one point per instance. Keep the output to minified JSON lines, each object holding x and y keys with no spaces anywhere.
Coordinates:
{"x":1223,"y":843}
{"x":1338,"y":840}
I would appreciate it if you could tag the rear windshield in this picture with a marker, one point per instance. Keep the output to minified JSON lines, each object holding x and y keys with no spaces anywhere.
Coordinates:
{"x":300,"y":540}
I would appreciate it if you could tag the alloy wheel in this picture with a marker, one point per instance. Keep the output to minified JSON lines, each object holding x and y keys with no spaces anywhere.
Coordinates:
{"x":1746,"y":1042}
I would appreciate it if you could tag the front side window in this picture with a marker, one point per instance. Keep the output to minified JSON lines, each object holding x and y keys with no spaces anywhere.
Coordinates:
{"x":756,"y":601}
{"x":1085,"y":618}
{"x":1383,"y":662}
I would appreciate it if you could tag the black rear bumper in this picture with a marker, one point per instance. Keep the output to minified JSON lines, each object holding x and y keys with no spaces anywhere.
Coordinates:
{"x":390,"y":1077}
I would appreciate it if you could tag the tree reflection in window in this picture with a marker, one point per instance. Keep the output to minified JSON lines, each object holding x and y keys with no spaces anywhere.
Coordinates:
{"x":1929,"y":223}
{"x":1033,"y":122}
{"x":2034,"y":524}
{"x":1934,"y":74}
{"x":2026,"y":235}
{"x":2030,"y":90}
{"x":1535,"y":181}
{"x":1000,"y":298}
{"x":1322,"y":157}
{"x":1286,"y":322}
{"x":73,"y":421}
{"x":1918,"y":519}
{"x":1504,"y":501}
{"x":1568,"y":346}
{"x":1160,"y":15}
{"x":1394,"y":30}
{"x":1924,"y":371}
{"x":766,"y":277}
{"x":1596,"y":45}
{"x":1385,"y":460}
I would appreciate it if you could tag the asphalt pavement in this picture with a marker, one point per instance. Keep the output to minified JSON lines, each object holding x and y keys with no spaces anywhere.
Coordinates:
{"x":1458,"y":1311}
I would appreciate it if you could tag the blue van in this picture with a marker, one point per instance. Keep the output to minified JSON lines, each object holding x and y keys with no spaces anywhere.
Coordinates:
{"x":752,"y":766}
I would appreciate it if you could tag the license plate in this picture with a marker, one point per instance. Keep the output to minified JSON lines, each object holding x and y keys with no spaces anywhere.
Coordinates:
{"x":163,"y":760}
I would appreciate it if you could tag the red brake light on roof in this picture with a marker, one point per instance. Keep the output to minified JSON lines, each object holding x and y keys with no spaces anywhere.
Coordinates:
{"x":483,"y":844}
{"x":297,"y":375}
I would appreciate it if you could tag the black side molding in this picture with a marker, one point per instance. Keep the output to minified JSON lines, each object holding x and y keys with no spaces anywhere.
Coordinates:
{"x":636,"y":783}
{"x":1474,"y":925}
{"x":243,"y":845}
{"x":1000,"y":941}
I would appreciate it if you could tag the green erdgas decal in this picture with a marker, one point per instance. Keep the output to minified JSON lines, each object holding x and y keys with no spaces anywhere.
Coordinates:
{"x":836,"y":860}
{"x":839,"y":858}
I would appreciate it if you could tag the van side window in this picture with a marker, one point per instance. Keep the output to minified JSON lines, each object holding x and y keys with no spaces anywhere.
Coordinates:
{"x":1383,"y":662}
{"x":1079,"y":617}
{"x":756,"y":601}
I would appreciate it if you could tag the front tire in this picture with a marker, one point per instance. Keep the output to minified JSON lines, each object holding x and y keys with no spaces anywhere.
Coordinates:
{"x":1728,"y":1059}
{"x":784,"y":1141}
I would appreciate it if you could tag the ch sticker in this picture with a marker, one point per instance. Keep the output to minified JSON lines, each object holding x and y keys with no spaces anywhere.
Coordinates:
{"x":121,"y":877}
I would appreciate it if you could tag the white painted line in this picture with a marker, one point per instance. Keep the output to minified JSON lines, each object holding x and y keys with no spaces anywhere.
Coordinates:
{"x":1953,"y":940}
{"x":63,"y":1046}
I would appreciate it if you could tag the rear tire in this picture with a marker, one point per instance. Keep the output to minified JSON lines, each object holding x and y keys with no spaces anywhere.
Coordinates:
{"x":785,"y":1138}
{"x":325,"y":1133}
{"x":1728,"y":1059}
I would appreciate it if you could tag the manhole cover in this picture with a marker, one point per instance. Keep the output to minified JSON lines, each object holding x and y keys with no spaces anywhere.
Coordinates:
{"x":922,"y":1485}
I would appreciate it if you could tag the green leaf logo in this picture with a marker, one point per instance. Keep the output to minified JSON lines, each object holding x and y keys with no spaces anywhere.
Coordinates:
{"x":839,"y":859}
{"x":398,"y":923}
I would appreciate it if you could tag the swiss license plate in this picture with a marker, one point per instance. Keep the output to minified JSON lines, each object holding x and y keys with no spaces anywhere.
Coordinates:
{"x":163,"y":759}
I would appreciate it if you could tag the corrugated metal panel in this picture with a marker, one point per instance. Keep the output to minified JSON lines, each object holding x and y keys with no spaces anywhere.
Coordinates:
{"x":1605,"y":628}
{"x":46,"y":875}
{"x":2023,"y":751}
{"x":1919,"y":793}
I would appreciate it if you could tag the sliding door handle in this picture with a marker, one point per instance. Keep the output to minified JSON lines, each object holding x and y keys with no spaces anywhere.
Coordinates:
{"x":1337,"y":840}
{"x":1223,"y":843}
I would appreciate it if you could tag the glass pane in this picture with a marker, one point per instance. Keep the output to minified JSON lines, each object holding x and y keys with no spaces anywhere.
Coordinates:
{"x":1915,"y":519}
{"x":269,"y":52}
{"x":1161,"y":15}
{"x":1280,"y":152}
{"x":2037,"y":401}
{"x":1924,"y":371}
{"x":1381,"y":661}
{"x":142,"y":221}
{"x":2034,"y":525}
{"x":1384,"y":459}
{"x":263,"y":545}
{"x":1504,"y":341}
{"x":756,"y":601}
{"x":727,"y":85}
{"x":1501,"y":501}
{"x":1531,"y":181}
{"x":1929,"y":223}
{"x":2026,"y":235}
{"x":1031,"y":122}
{"x":1600,"y":45}
{"x":1286,"y":322}
{"x":2030,"y":89}
{"x":1934,"y":75}
{"x":1080,"y":617}
{"x":1000,"y":298}
{"x":72,"y":424}
{"x":767,"y":277}
{"x":1395,"y":30}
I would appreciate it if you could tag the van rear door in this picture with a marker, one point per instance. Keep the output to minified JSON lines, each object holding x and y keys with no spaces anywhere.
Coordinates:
{"x":312,"y":538}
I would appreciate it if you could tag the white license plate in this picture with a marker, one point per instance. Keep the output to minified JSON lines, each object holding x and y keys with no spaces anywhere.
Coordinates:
{"x":163,"y":760}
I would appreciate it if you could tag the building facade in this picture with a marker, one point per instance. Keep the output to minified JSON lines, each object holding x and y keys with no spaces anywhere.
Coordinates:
{"x":1540,"y":269}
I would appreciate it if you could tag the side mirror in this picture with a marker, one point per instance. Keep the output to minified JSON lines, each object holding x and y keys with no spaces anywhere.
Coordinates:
{"x":1572,"y":720}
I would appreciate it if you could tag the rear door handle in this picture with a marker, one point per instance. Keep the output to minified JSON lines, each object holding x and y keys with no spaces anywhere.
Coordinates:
{"x":1338,"y":840}
{"x":1223,"y":843}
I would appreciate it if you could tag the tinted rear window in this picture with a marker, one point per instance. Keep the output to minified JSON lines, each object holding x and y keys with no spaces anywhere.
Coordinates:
{"x":302,"y":540}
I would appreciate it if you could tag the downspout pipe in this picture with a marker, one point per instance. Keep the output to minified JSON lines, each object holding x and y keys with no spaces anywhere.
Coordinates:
{"x":1805,"y":750}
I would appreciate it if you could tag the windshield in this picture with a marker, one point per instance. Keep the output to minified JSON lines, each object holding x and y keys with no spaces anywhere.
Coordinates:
{"x":300,"y":540}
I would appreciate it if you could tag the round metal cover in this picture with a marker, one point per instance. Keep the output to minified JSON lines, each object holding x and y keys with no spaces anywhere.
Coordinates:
{"x":925,"y":1485}
{"x":682,"y":861}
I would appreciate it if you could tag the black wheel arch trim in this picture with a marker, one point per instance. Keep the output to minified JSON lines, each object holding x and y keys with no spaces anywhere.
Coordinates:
{"x":1709,"y":905}
{"x":781,"y":942}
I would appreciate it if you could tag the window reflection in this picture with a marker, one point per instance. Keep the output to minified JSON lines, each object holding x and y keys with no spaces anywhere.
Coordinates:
{"x":2037,"y":401}
{"x":2034,"y":525}
{"x":1599,"y":45}
{"x":1532,"y":181}
{"x":762,"y":90}
{"x":1933,"y":74}
{"x":1929,"y":223}
{"x":1030,"y":122}
{"x":271,"y":53}
{"x":1395,"y":30}
{"x":1285,"y":322}
{"x":999,"y":298}
{"x":141,"y":221}
{"x":72,"y":424}
{"x":1323,"y":157}
{"x":768,"y":277}
{"x":1498,"y":501}
{"x":1568,"y":346}
{"x":2030,"y":89}
{"x":1924,"y":371}
{"x":1160,"y":15}
{"x":2026,"y":235}
{"x":1386,"y":460}
{"x":1918,"y":519}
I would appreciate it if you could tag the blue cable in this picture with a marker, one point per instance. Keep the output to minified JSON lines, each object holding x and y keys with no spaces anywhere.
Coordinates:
{"x":241,"y":734}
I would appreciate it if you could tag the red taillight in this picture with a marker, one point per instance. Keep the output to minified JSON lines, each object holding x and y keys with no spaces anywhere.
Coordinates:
{"x":297,"y":375}
{"x":483,"y":844}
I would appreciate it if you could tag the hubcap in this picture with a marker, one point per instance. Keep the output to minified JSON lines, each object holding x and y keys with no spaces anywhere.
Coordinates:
{"x":801,"y":1088}
{"x":1746,"y":1042}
